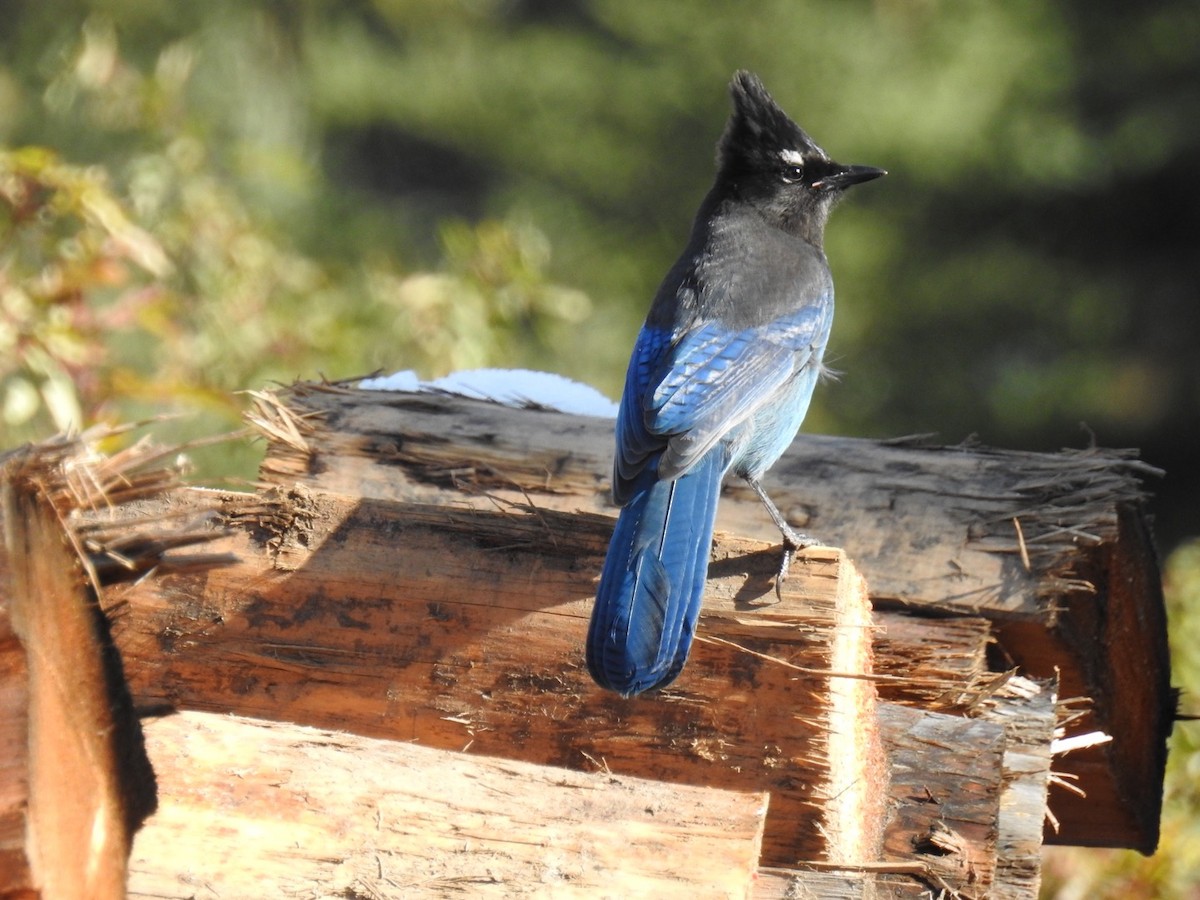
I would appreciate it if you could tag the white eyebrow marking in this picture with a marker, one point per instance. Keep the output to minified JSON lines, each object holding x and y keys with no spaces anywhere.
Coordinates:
{"x":792,"y":157}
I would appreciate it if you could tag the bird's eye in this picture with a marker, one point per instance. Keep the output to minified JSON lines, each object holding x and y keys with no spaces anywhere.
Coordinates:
{"x":792,"y":174}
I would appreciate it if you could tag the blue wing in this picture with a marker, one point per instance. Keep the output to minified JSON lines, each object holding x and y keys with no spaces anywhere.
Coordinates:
{"x":686,"y":391}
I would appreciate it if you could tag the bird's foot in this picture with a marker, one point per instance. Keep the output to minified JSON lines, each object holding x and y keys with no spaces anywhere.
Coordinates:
{"x":792,"y":541}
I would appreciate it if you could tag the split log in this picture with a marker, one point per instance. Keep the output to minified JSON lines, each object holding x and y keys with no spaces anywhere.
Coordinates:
{"x":258,"y":809}
{"x":463,"y":629}
{"x":1028,"y":712}
{"x":76,"y":783}
{"x":16,"y":876}
{"x":1054,"y":549}
{"x":948,"y":769}
{"x":937,"y":664}
{"x":932,"y":526}
{"x":217,"y":639}
{"x":133,"y":540}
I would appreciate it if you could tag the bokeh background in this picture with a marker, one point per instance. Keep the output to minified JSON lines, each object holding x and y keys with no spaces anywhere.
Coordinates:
{"x":202,"y":198}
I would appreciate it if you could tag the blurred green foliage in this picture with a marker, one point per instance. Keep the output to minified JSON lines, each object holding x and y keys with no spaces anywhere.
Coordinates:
{"x":67,"y":285}
{"x":247,"y":277}
{"x":198,"y":198}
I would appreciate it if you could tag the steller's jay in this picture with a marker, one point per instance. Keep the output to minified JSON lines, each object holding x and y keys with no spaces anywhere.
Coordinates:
{"x":720,"y":379}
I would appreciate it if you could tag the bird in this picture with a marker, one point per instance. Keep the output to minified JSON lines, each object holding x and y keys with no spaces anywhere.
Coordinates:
{"x":719,"y":380}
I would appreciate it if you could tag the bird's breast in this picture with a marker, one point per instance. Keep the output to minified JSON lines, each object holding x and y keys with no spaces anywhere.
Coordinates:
{"x":766,"y":434}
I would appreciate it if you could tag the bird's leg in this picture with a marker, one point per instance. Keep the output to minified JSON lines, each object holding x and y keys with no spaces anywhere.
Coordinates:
{"x":793,"y":540}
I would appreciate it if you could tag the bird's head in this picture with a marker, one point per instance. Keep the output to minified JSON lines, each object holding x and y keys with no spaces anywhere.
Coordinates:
{"x":766,"y":159}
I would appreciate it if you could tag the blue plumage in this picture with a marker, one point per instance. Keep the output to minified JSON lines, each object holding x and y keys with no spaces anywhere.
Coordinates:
{"x":720,"y":379}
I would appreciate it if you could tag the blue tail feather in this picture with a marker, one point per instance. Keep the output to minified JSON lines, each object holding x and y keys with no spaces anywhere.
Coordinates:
{"x":653,"y":578}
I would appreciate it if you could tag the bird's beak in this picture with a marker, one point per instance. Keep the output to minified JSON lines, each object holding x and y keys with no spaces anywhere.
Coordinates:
{"x":847,"y":176}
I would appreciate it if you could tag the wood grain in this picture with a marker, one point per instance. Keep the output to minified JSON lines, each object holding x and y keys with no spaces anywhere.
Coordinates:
{"x":75,"y":753}
{"x":463,"y":629}
{"x":260,"y":809}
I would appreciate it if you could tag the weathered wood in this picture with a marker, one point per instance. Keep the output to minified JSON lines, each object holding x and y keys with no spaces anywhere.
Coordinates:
{"x":961,"y":828}
{"x":1125,"y":688}
{"x":1028,"y":712}
{"x":16,"y":877}
{"x":933,"y":526}
{"x":805,"y":884}
{"x":256,"y":809}
{"x":85,"y":785}
{"x":1054,"y":548}
{"x":463,"y":629}
{"x":934,"y":663}
{"x":948,"y":768}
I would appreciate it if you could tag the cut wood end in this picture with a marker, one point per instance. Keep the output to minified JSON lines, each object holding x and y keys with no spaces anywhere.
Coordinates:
{"x":855,"y":815}
{"x":86,"y":791}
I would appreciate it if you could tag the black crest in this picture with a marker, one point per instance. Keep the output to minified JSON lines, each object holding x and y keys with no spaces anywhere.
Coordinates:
{"x":759,"y":133}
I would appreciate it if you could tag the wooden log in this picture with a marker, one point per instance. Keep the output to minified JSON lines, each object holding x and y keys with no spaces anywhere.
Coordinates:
{"x":133,"y":540}
{"x":1028,"y":712}
{"x":75,"y":782}
{"x":1053,"y":548}
{"x":935,"y":663}
{"x":16,"y":877}
{"x":258,"y":809}
{"x":968,"y":797}
{"x":178,"y":641}
{"x":933,"y":526}
{"x":321,"y":599}
{"x":962,"y":794}
{"x":463,"y":629}
{"x":868,"y":882}
{"x":961,"y":826}
{"x":949,"y":770}
{"x":1124,"y":690}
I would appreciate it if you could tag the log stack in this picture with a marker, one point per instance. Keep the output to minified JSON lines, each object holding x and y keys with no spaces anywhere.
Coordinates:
{"x":364,"y":678}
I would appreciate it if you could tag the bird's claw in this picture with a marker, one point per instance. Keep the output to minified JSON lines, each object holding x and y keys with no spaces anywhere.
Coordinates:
{"x":792,"y":541}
